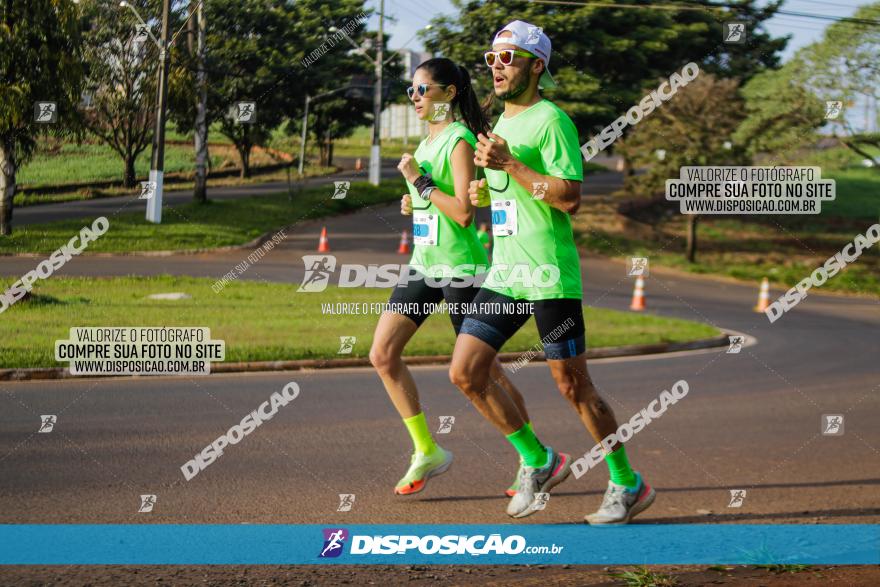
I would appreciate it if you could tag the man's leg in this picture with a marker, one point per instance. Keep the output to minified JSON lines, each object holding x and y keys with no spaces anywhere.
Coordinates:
{"x":574,"y":383}
{"x":627,"y":494}
{"x":470,"y":371}
{"x":472,"y":364}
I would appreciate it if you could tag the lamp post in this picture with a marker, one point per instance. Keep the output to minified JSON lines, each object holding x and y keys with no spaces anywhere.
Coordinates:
{"x":378,"y":63}
{"x":157,"y":162}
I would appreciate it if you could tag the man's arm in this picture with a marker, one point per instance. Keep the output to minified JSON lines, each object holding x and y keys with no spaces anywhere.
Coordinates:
{"x":493,"y":152}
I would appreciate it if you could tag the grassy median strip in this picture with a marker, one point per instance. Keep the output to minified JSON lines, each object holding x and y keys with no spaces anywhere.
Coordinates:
{"x":218,"y":223}
{"x":265,"y":321}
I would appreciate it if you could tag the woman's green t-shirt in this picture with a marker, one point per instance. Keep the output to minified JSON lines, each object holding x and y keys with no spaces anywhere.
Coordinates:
{"x":441,"y":246}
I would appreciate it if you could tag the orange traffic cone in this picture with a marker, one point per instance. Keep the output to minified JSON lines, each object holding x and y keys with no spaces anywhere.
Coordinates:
{"x":358,"y":164}
{"x":638,"y":301}
{"x":403,"y":249}
{"x":763,"y":296}
{"x":323,"y":243}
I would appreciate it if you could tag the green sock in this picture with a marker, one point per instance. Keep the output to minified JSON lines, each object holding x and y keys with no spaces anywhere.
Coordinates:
{"x":618,"y":466}
{"x":528,"y":446}
{"x":421,"y":436}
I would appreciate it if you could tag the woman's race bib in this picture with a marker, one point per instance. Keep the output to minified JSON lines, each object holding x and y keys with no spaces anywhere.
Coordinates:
{"x":424,"y":228}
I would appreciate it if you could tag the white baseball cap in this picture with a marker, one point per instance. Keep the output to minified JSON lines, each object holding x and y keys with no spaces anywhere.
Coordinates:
{"x":531,"y":38}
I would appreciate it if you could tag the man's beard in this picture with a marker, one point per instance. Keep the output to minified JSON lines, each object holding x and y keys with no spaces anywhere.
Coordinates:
{"x":518,"y":85}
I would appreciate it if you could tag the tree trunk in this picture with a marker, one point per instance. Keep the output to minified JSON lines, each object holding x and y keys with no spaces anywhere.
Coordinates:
{"x":129,"y":180}
{"x":244,"y":151}
{"x":692,"y":238}
{"x":330,"y":154}
{"x":7,"y":187}
{"x":200,"y":191}
{"x":323,"y":153}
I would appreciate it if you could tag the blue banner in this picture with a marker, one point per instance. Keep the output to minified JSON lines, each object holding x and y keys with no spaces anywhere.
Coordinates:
{"x":201,"y":544}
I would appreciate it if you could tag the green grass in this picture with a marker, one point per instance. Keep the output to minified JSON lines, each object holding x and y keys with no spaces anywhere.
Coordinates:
{"x":258,"y":177}
{"x":858,"y":194}
{"x":87,"y":162}
{"x":264,"y":321}
{"x":643,"y":577}
{"x":193,"y":226}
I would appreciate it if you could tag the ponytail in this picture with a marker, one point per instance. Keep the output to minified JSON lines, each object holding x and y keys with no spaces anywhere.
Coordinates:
{"x":447,"y":73}
{"x":472,"y":112}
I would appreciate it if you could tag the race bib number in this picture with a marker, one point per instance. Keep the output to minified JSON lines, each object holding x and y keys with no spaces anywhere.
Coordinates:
{"x":504,"y":217}
{"x":425,"y":228}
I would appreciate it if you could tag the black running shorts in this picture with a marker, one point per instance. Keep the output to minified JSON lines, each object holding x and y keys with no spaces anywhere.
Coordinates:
{"x":416,"y":300}
{"x":560,"y":322}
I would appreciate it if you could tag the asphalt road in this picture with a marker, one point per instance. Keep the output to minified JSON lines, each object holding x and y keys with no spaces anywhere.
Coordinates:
{"x":751,"y":420}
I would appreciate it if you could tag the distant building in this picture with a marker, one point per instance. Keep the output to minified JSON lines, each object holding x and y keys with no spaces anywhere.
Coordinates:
{"x":411,"y":60}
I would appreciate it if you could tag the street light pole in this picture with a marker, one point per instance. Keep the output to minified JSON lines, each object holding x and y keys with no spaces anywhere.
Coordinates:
{"x":302,"y":140}
{"x":375,"y":151}
{"x":157,"y":165}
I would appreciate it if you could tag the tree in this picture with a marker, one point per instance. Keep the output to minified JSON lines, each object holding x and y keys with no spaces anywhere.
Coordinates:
{"x":604,"y":58}
{"x":40,"y":45}
{"x":780,"y":113}
{"x":197,"y":49}
{"x":121,"y":64}
{"x":786,"y":106}
{"x":692,"y":129}
{"x":254,"y":52}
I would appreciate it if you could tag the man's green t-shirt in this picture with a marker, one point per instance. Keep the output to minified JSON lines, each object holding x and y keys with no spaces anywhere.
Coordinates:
{"x":438,"y":241}
{"x":527,"y":231}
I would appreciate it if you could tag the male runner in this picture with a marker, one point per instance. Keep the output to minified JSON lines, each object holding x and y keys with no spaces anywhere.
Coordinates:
{"x":534,"y":150}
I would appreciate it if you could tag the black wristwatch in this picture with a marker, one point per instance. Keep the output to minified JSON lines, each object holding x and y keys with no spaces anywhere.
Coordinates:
{"x":424,"y":185}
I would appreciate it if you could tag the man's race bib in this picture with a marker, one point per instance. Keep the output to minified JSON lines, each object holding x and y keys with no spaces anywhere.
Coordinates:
{"x":424,"y":228}
{"x":504,"y":217}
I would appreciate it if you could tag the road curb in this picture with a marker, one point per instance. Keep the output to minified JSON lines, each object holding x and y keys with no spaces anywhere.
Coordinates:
{"x":42,"y":373}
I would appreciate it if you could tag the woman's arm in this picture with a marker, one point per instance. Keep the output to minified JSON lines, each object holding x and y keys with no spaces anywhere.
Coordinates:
{"x":458,"y":206}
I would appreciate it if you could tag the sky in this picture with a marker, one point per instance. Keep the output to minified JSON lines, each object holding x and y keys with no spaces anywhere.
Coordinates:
{"x":412,"y":15}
